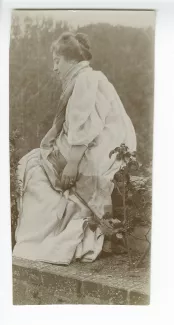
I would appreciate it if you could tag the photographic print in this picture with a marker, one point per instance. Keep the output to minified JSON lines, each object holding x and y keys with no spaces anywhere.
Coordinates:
{"x":81,"y":140}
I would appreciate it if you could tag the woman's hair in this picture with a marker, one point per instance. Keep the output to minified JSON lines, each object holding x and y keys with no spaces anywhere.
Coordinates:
{"x":73,"y":47}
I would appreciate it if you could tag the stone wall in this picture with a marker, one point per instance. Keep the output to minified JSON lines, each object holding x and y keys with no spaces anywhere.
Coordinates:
{"x":36,"y":283}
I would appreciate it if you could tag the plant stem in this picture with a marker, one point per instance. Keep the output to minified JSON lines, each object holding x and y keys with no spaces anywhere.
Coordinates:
{"x":124,"y":199}
{"x":142,"y":256}
{"x":125,"y":219}
{"x":128,"y":250}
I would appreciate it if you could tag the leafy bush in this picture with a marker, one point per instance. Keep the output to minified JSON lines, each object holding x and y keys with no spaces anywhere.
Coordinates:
{"x":124,"y":54}
{"x":13,"y":165}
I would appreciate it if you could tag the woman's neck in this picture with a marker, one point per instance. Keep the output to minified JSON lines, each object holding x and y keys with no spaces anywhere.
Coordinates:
{"x":72,"y":68}
{"x":68,"y":66}
{"x":66,"y":75}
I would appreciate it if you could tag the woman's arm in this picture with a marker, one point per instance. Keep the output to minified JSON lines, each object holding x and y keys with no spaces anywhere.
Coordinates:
{"x":83,"y":123}
{"x":69,"y":174}
{"x":76,"y":154}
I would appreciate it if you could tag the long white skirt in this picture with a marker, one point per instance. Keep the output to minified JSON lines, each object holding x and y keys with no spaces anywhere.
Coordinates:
{"x":52,"y":227}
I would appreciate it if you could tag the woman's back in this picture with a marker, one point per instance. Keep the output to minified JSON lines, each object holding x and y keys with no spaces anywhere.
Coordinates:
{"x":95,"y":116}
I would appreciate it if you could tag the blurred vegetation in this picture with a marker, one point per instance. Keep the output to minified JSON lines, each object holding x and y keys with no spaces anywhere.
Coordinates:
{"x":124,"y":54}
{"x":13,"y":190}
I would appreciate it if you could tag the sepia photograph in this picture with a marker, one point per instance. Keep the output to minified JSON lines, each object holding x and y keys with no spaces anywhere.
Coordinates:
{"x":81,"y":97}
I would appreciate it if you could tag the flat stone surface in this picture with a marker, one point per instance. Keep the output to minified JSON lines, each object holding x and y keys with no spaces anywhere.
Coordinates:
{"x":135,"y":298}
{"x":105,"y":281}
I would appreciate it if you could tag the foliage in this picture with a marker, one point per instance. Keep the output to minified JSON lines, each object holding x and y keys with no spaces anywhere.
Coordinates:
{"x":118,"y":231}
{"x":13,"y":165}
{"x":124,"y":54}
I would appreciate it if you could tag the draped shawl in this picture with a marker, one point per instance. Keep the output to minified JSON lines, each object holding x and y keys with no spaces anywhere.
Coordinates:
{"x":47,"y":146}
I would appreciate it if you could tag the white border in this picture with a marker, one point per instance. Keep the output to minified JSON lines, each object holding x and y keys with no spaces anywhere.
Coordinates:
{"x":162,"y":283}
{"x":90,"y":4}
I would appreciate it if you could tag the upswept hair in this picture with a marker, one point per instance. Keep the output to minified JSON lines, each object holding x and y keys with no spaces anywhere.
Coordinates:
{"x":73,"y":46}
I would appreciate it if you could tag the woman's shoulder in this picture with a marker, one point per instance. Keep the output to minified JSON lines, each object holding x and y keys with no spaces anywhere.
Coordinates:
{"x":90,"y":74}
{"x":88,"y":78}
{"x":103,"y":82}
{"x":94,"y":80}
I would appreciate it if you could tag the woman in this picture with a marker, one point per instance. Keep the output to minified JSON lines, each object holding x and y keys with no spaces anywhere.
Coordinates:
{"x":68,"y":179}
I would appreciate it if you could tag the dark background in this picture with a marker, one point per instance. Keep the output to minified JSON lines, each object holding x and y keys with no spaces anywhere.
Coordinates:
{"x":124,"y":54}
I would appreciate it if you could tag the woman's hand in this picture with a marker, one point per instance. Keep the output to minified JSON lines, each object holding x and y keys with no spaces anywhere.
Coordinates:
{"x":69,"y":175}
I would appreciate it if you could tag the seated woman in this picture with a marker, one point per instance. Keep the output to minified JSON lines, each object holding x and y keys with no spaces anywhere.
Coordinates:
{"x":69,"y":178}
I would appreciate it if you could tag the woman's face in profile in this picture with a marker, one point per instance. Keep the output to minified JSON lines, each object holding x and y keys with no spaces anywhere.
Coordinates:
{"x":58,"y":63}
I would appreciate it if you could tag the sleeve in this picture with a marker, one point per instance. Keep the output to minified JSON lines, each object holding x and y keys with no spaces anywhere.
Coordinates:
{"x":86,"y":116}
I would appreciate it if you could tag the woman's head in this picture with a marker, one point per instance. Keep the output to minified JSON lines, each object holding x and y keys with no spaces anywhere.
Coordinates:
{"x":70,"y":48}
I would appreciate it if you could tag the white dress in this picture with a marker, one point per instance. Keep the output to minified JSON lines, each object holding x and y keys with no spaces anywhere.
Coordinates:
{"x":52,"y":225}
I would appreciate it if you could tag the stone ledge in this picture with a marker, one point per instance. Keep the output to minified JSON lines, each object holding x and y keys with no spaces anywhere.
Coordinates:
{"x":37,"y":283}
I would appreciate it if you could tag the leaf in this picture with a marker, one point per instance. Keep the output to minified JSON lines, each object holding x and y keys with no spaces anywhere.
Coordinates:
{"x":93,"y":226}
{"x":111,"y":153}
{"x":119,"y":157}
